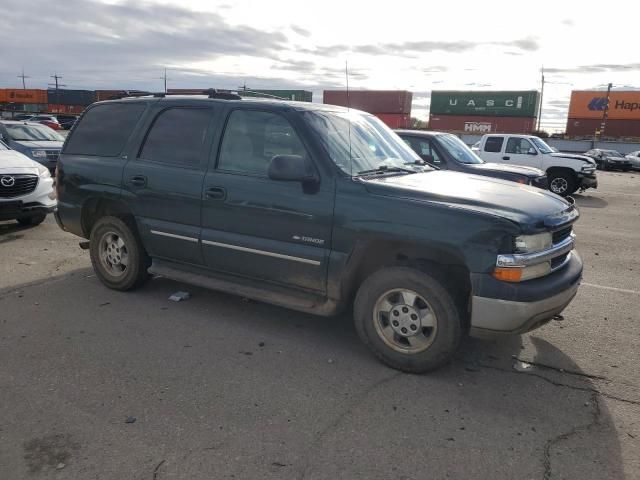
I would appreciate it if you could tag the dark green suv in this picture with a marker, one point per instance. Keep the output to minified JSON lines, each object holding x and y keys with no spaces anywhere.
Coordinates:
{"x":315,"y":208}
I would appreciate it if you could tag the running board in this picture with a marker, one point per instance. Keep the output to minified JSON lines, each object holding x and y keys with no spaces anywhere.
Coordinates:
{"x":261,"y":291}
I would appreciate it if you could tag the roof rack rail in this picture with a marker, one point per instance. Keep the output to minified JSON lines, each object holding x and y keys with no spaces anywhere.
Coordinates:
{"x":222,"y":94}
{"x":211,"y":93}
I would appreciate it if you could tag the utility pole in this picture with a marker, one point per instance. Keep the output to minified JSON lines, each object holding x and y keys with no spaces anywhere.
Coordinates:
{"x":57,"y":77}
{"x":605,"y":113}
{"x":23,"y":76}
{"x":164,"y":78}
{"x":541,"y":98}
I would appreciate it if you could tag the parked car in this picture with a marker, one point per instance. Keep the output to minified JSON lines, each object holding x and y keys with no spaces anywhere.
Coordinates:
{"x":566,"y":173}
{"x":316,"y":208}
{"x":634,"y":158}
{"x":22,"y":116}
{"x":447,"y":152}
{"x":609,"y":159}
{"x":26,"y":188}
{"x":48,"y":120}
{"x":66,"y":121}
{"x":34,"y":140}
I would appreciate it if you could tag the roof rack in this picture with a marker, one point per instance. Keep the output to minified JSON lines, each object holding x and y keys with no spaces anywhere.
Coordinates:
{"x":210,"y":92}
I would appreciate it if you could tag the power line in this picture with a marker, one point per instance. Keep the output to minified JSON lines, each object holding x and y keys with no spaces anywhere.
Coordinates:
{"x":23,"y":76}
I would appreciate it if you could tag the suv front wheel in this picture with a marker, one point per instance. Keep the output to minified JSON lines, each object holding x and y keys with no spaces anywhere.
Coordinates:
{"x":117,"y":255}
{"x":408,"y":319}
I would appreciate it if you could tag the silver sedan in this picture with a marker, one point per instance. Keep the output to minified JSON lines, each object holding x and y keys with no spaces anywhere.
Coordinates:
{"x":635,"y":159}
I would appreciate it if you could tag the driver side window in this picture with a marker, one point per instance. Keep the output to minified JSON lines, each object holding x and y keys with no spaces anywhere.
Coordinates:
{"x":518,"y":146}
{"x":252,"y":138}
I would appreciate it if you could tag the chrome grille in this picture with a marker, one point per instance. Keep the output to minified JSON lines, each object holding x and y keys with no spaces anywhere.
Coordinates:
{"x":560,"y":235}
{"x":52,"y":155}
{"x":21,"y":185}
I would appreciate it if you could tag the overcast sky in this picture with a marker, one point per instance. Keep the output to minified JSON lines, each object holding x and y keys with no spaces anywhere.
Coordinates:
{"x":418,"y":46}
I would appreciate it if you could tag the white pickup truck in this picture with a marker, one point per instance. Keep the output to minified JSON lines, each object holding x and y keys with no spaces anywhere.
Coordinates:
{"x":566,"y":172}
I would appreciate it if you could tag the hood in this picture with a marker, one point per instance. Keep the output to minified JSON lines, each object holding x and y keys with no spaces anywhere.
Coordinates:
{"x":530,"y":172}
{"x":531,"y":208}
{"x":572,"y":156}
{"x":617,"y":159}
{"x":10,"y":160}
{"x":48,"y":144}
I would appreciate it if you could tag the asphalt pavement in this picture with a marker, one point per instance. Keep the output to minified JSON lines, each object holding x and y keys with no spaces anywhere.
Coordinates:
{"x":96,"y":384}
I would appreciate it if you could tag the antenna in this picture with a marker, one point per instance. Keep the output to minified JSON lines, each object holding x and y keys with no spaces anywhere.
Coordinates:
{"x":346,"y":74}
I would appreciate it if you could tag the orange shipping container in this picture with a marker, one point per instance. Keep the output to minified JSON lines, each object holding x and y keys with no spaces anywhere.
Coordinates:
{"x":18,"y":95}
{"x":591,"y":104}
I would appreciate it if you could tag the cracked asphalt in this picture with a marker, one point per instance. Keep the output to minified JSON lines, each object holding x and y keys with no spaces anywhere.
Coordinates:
{"x":96,"y":384}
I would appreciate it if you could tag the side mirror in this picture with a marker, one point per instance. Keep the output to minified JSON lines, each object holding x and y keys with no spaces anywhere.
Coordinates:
{"x":292,"y":168}
{"x":428,"y":159}
{"x":532,"y":151}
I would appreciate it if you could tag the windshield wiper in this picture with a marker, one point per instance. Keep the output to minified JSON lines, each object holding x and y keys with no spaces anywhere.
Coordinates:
{"x":385,"y":169}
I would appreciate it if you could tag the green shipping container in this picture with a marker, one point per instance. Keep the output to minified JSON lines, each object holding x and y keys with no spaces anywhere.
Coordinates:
{"x":496,"y":104}
{"x":296,"y":95}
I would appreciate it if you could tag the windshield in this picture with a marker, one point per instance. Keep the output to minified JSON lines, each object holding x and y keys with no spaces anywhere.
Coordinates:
{"x":357,"y":143}
{"x":458,"y":149}
{"x":542,"y":145}
{"x":21,"y":132}
{"x":612,"y":153}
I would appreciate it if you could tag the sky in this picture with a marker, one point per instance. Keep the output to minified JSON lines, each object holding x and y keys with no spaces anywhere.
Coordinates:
{"x":418,"y":46}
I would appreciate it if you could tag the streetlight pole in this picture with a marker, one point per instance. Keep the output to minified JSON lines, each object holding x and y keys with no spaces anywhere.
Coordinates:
{"x":541,"y":98}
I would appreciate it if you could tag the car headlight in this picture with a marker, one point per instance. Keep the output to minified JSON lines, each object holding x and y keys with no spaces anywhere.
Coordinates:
{"x":38,"y":153}
{"x":43,"y":171}
{"x":533,"y":243}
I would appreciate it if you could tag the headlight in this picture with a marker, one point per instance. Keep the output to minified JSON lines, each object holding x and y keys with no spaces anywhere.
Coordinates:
{"x":38,"y":153}
{"x":532,"y":243}
{"x":588,"y":168}
{"x":43,"y":171}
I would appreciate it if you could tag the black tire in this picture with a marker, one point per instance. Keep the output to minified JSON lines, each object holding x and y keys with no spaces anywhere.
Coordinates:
{"x":33,"y":220}
{"x":562,"y":183}
{"x":368,"y":319}
{"x":117,"y":275}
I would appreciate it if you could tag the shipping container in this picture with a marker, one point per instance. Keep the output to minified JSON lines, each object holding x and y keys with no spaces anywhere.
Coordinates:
{"x":494,"y":104}
{"x":615,"y":128}
{"x":24,"y":107}
{"x":18,"y":95}
{"x":71,"y":97}
{"x":74,"y":109}
{"x":480,"y":125}
{"x":395,"y":120}
{"x":592,"y":104}
{"x":372,"y":101}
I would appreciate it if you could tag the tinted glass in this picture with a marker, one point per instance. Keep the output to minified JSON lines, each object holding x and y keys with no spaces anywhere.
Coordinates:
{"x":177,"y":136}
{"x":518,"y":146}
{"x":27,"y":133}
{"x":359,"y":142}
{"x":493,"y":144}
{"x":458,"y":149}
{"x":104,"y":129}
{"x":252,"y":139}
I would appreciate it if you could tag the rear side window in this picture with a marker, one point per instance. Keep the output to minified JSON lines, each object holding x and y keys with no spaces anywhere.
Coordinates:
{"x":104,"y":129}
{"x":177,"y":136}
{"x":493,"y":144}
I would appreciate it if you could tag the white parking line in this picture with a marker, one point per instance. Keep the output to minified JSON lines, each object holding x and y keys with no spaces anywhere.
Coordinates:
{"x":615,"y":289}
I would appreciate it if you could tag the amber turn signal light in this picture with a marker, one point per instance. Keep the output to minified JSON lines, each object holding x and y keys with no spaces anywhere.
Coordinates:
{"x":511,"y":274}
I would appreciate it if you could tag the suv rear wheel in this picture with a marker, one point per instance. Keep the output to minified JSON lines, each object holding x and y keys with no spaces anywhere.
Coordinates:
{"x":117,"y":255}
{"x":408,"y":319}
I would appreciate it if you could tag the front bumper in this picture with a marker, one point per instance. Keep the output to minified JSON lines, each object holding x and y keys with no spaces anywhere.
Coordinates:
{"x":503,"y":307}
{"x":587,"y":181}
{"x":21,"y":210}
